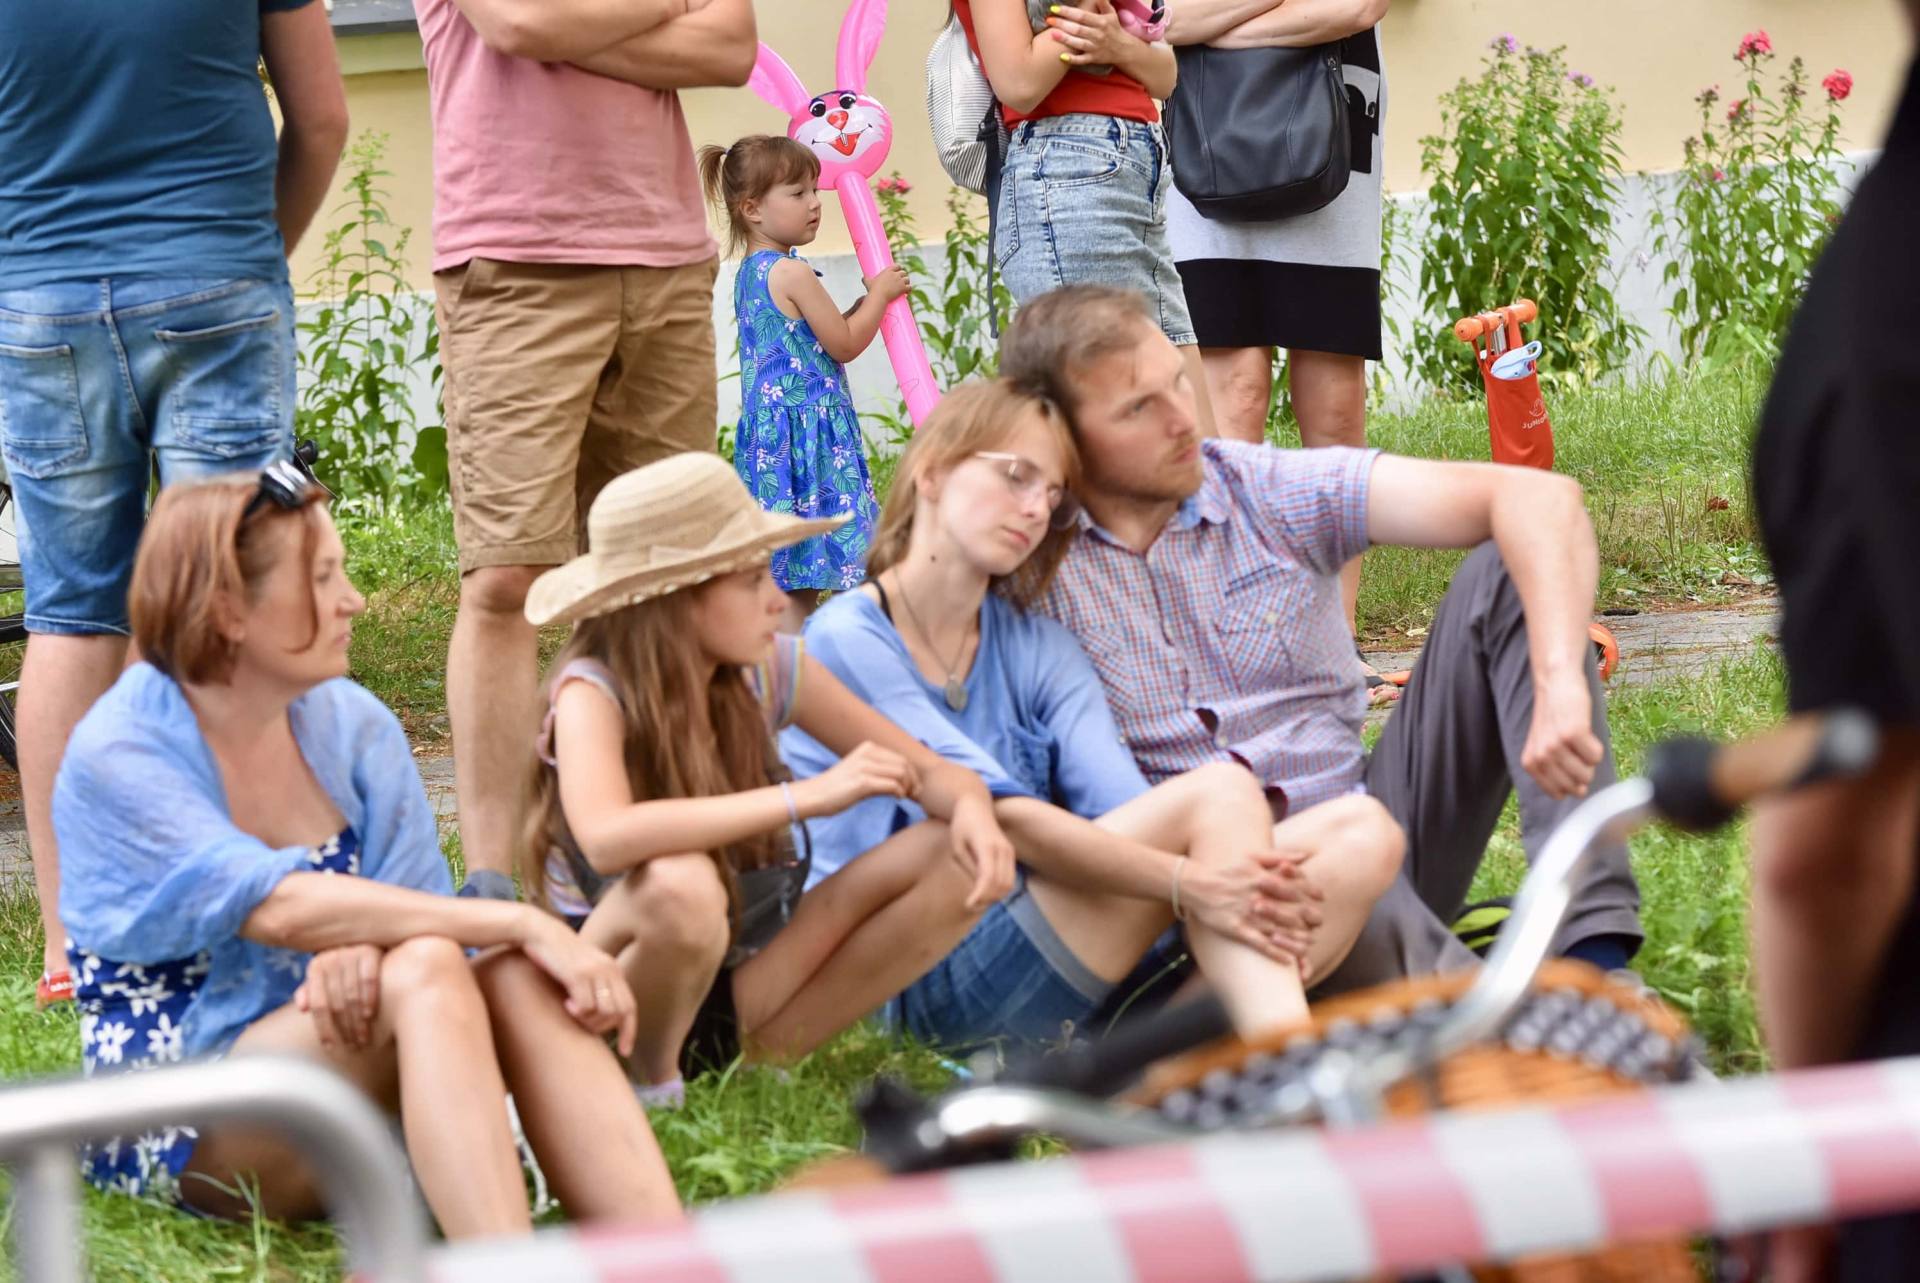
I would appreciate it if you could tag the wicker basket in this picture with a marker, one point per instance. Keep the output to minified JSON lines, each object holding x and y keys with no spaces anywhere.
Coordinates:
{"x":1577,"y":1034}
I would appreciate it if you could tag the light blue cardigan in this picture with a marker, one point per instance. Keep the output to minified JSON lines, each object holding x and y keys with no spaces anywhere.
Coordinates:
{"x":153,"y":870}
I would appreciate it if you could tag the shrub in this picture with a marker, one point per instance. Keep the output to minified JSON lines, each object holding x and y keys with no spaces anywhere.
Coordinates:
{"x":1525,"y":175}
{"x":1753,"y":206}
{"x":362,"y":344}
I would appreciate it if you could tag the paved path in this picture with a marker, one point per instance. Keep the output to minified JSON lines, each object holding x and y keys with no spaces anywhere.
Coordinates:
{"x":1654,"y":648}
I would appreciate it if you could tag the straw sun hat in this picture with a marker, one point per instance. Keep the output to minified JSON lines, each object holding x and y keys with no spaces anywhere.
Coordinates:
{"x":666,"y":526}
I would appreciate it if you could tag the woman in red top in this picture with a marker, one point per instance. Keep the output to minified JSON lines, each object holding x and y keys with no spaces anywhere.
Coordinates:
{"x":1083,"y":193}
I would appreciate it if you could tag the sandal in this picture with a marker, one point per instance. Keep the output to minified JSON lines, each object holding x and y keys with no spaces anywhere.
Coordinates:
{"x":55,"y":987}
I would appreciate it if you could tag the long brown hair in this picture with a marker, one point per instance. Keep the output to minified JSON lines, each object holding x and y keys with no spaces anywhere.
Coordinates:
{"x":200,"y":555}
{"x":748,"y":170}
{"x":981,"y":414}
{"x":687,"y":734}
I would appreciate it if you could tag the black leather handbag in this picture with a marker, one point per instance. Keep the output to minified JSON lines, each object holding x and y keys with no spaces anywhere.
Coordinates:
{"x":1259,"y":134}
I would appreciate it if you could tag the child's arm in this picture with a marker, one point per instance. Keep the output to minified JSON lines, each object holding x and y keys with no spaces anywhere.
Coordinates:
{"x":616,"y":833}
{"x":844,"y":336}
{"x":847,"y":725}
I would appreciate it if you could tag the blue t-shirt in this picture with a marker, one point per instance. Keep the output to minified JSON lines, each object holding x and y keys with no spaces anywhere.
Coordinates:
{"x":1036,"y":722}
{"x":135,"y":140}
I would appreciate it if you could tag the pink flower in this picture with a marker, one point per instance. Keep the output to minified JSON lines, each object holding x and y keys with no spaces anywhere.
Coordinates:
{"x":1838,"y":85}
{"x":1504,"y":44}
{"x":1581,"y":79}
{"x":1738,"y":109}
{"x":1718,"y":176}
{"x":1753,"y":44}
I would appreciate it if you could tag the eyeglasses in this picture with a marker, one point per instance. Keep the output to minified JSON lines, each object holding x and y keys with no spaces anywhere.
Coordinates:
{"x":1026,"y":481}
{"x":288,"y":484}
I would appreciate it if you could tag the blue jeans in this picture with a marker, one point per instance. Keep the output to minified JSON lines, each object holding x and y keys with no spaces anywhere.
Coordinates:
{"x":101,"y":379}
{"x":1083,"y":200}
{"x":1012,"y":979}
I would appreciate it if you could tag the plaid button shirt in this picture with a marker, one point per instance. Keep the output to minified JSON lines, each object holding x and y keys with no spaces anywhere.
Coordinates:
{"x":1226,"y":639}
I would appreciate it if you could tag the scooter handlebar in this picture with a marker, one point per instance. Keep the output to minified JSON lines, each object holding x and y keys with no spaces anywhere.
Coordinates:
{"x":1520,"y":312}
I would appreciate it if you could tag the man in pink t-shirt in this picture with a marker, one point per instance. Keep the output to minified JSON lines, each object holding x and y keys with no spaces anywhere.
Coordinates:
{"x":573,"y":272}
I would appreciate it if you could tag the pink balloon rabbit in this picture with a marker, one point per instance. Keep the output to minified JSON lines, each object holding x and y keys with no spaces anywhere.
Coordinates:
{"x":851,"y":134}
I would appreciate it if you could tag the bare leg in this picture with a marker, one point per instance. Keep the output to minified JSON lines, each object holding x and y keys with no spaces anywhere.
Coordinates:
{"x":582,"y":1119}
{"x":1239,"y":382}
{"x":1351,"y":848}
{"x":667,"y":924}
{"x":1330,"y":401}
{"x":432,"y":1054}
{"x":60,"y":678}
{"x":857,"y":939}
{"x":492,"y":692}
{"x":1202,"y":401}
{"x":1834,"y":872}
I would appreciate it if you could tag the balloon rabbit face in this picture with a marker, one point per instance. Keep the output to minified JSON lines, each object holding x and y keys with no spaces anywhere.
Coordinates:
{"x":846,"y":129}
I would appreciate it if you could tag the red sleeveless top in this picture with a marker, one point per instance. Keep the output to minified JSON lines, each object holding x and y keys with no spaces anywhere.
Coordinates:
{"x":1114,"y":94}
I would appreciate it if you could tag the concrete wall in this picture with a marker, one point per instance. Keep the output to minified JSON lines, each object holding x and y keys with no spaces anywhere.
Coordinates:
{"x":1657,"y":53}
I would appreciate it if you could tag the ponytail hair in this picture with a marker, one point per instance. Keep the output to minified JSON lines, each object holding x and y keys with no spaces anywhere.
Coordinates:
{"x":748,"y":170}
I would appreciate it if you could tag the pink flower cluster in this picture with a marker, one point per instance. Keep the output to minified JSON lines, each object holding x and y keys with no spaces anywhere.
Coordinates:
{"x":1838,"y":85}
{"x":1738,"y":110}
{"x":1754,"y":43}
{"x":1504,"y":44}
{"x":894,"y":183}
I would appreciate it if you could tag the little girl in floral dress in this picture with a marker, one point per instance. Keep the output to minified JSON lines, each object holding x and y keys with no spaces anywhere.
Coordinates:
{"x":797,"y":446}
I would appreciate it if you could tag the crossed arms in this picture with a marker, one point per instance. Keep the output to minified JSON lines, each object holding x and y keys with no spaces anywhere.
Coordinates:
{"x":661,"y":44}
{"x":1245,"y":24}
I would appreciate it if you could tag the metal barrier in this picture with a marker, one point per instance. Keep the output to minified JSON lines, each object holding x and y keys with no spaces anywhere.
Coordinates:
{"x":1401,"y":1197}
{"x":361,"y":1170}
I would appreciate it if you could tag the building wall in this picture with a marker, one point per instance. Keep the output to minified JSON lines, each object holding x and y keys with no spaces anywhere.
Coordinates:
{"x":1657,"y":53}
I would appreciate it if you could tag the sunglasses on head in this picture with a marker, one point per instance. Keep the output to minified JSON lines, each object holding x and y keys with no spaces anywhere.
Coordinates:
{"x":288,"y":484}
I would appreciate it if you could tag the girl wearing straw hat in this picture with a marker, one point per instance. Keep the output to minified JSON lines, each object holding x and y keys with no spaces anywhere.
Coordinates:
{"x":662,"y":822}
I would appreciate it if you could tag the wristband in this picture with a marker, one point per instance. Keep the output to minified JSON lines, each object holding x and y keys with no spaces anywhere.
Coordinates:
{"x":793,"y":812}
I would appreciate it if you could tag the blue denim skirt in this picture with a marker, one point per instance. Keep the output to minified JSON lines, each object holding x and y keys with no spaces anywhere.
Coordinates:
{"x":1083,"y":201}
{"x":1012,"y":980}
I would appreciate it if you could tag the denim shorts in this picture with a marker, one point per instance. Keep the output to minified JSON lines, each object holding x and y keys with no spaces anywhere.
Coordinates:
{"x":98,"y":380}
{"x":1083,"y":201}
{"x":1012,"y":979}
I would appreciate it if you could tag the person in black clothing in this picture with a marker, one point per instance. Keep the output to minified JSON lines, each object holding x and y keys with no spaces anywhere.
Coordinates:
{"x":1836,"y":471}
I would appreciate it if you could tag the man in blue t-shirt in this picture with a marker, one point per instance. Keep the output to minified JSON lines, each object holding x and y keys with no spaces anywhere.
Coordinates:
{"x":146,"y":317}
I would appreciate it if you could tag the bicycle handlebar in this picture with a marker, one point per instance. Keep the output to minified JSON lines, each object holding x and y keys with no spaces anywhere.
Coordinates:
{"x":1700,"y":785}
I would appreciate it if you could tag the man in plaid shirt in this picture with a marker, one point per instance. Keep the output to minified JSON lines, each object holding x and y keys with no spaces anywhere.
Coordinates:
{"x":1205,"y":588}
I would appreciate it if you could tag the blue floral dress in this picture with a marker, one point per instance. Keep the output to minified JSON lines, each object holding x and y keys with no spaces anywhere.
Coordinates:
{"x":131,"y":1018}
{"x":798,"y":446}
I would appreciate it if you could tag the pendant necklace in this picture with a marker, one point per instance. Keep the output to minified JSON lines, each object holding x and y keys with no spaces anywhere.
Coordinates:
{"x":955,"y":690}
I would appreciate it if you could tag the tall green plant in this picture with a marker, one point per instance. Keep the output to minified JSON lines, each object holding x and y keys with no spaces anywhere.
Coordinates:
{"x":1526,"y":174}
{"x":1753,"y":206}
{"x":362,"y":343}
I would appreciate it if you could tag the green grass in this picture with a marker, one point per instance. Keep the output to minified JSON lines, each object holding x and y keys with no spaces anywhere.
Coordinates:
{"x":1654,"y":459}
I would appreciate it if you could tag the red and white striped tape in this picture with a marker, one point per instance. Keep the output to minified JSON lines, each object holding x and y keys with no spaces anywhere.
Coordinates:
{"x":1257,"y":1208}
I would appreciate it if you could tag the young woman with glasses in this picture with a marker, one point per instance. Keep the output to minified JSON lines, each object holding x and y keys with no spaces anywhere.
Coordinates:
{"x":938,"y":639}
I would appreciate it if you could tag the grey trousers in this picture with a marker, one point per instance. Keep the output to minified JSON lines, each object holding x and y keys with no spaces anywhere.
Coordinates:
{"x":1444,"y":766}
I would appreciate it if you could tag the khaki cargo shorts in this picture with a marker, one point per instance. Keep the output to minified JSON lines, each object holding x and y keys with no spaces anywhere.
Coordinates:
{"x":559,"y":378}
